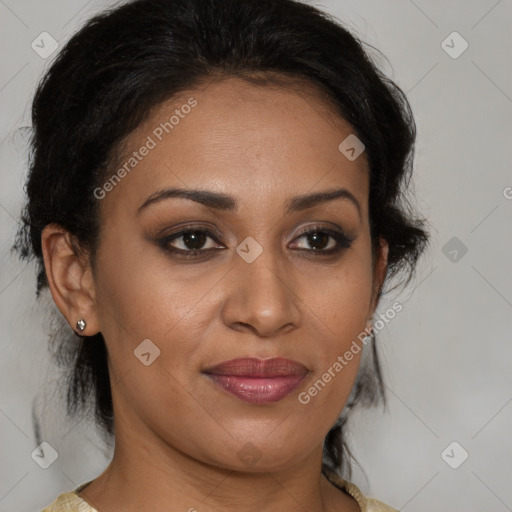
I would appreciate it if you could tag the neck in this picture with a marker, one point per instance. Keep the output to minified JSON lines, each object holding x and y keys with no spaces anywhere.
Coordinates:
{"x":155,"y":476}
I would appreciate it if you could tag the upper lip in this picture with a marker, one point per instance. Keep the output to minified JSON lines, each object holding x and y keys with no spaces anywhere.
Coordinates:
{"x":254,"y":367}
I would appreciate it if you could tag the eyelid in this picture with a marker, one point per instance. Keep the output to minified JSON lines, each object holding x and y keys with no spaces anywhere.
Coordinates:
{"x":318,"y":227}
{"x":217,"y":235}
{"x":184,"y":228}
{"x":341,"y":239}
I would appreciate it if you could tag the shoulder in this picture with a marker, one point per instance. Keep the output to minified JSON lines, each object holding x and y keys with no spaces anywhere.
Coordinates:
{"x":365,"y":503}
{"x":70,"y":502}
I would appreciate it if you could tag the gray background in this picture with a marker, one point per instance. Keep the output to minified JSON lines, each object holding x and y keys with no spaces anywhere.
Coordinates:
{"x":446,"y":356}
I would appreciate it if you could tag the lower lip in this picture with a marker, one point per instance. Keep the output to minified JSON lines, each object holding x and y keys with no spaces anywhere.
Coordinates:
{"x":258,"y":390}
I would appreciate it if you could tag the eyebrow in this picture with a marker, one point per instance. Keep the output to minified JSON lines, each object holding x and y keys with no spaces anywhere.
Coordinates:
{"x":225,"y":202}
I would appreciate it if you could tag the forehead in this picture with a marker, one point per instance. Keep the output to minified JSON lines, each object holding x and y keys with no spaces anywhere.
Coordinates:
{"x":261,"y":142}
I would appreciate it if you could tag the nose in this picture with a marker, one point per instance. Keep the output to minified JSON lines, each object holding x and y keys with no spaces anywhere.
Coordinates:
{"x":261,"y":297}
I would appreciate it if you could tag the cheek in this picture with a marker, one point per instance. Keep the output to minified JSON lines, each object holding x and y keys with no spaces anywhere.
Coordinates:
{"x":343,"y":309}
{"x":143,"y":297}
{"x":342,"y":299}
{"x":342,"y":304}
{"x":147,"y":295}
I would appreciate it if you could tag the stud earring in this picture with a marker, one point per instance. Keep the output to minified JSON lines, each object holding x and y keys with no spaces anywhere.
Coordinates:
{"x":80,"y":325}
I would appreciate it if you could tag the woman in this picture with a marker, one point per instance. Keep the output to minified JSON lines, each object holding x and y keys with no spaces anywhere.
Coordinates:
{"x":215,"y":201}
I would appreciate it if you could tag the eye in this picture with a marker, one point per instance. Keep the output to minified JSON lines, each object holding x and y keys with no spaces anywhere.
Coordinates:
{"x":190,"y":242}
{"x":324,"y":241}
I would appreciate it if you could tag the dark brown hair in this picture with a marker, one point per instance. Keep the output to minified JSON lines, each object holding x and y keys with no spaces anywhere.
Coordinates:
{"x":129,"y":59}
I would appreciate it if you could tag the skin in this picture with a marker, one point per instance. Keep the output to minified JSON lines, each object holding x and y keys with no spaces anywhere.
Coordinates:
{"x":177,"y":433}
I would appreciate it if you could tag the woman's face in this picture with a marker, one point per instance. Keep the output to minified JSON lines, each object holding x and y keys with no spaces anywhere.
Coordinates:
{"x":258,"y":288}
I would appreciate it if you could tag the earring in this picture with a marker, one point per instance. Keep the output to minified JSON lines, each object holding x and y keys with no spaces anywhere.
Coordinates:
{"x":80,"y":325}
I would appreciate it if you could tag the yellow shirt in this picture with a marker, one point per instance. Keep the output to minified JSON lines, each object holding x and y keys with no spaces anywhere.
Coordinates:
{"x":71,"y":502}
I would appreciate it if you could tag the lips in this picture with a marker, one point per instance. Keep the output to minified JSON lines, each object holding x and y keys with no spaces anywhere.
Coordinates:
{"x":258,"y":381}
{"x":253,"y":367}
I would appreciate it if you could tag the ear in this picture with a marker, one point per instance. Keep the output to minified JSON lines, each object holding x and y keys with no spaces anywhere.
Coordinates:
{"x":379,"y":274}
{"x":70,"y":278}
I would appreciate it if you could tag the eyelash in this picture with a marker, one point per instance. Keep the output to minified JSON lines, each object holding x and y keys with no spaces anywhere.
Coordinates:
{"x":342,"y":240}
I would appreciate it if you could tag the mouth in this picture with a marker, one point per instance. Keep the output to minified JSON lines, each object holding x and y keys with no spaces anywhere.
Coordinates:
{"x":258,"y":381}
